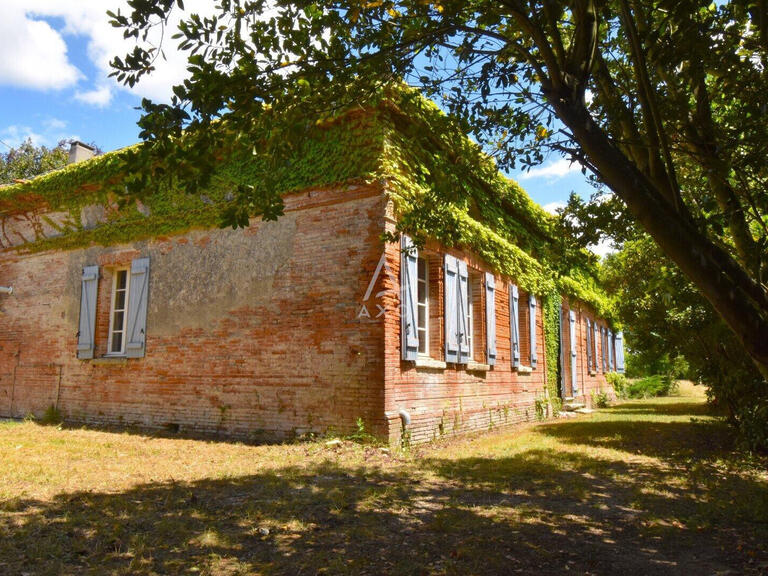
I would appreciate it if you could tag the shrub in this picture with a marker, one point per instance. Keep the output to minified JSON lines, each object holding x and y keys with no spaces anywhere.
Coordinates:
{"x":658,"y":385}
{"x":51,"y":416}
{"x":361,"y":435}
{"x":753,"y":426}
{"x":618,"y":382}
{"x":600,"y":399}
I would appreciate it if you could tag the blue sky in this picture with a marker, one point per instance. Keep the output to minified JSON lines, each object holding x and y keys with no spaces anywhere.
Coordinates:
{"x":54,"y":84}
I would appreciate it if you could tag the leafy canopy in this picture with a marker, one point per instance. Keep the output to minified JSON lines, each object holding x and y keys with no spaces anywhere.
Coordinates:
{"x":27,"y":161}
{"x":661,"y":102}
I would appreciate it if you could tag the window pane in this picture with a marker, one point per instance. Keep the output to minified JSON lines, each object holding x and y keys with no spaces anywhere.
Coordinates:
{"x":117,"y":341}
{"x":122,"y":279}
{"x":422,"y":283}
{"x":117,"y":322}
{"x":120,"y":300}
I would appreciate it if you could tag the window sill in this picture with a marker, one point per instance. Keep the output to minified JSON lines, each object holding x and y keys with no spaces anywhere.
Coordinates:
{"x":426,"y":362}
{"x":524,"y":369}
{"x":477,"y":367}
{"x":110,"y":360}
{"x":592,"y":373}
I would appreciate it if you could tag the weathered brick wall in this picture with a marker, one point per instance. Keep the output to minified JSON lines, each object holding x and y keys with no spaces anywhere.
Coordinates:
{"x":589,"y":381}
{"x":248,"y":331}
{"x":446,"y":400}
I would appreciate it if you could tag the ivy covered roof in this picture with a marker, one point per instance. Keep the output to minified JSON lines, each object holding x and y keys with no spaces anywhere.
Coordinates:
{"x":443,"y":187}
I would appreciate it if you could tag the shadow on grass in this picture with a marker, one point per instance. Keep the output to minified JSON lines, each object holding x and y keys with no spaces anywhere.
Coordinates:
{"x":537,"y":511}
{"x":667,"y":505}
{"x":696,"y":409}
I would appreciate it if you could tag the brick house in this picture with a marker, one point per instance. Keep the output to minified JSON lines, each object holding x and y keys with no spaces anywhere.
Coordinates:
{"x":146,"y":314}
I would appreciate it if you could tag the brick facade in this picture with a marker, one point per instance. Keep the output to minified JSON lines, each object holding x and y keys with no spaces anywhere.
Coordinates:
{"x":283,"y":328}
{"x":590,"y":375}
{"x":249,"y":333}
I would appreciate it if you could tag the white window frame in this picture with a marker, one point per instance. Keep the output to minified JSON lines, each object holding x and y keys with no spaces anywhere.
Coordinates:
{"x":124,"y":331}
{"x":470,"y":325}
{"x":422,"y":283}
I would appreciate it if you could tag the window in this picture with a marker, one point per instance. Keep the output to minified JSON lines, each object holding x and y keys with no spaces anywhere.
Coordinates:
{"x":469,"y":324}
{"x":118,"y":313}
{"x":422,"y":305}
{"x":121,"y":329}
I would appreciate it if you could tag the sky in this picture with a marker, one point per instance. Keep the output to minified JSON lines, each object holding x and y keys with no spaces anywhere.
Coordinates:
{"x":54,"y":84}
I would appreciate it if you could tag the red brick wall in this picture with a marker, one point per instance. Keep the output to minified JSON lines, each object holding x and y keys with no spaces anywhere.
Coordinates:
{"x":446,"y":400}
{"x":592,"y":381}
{"x":267,"y":332}
{"x":248,"y":332}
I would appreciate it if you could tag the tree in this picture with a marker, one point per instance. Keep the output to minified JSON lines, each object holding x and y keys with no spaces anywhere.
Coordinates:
{"x":28,"y":161}
{"x":667,"y":317}
{"x":662,"y":102}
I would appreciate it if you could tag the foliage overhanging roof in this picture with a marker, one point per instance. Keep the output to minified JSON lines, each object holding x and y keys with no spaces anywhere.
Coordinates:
{"x":442,"y":184}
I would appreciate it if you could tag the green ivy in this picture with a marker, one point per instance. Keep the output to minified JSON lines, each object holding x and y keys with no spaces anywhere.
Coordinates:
{"x":442,"y":185}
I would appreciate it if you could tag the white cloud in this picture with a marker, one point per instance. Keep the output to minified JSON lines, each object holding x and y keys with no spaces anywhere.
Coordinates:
{"x":100,"y":96}
{"x":602,"y":248}
{"x":32,"y":54}
{"x":53,"y":131}
{"x":551,"y":171}
{"x":15,"y":135}
{"x":54,"y":124}
{"x":553,"y":207}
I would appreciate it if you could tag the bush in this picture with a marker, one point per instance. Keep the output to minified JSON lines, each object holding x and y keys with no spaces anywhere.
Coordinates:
{"x":753,"y":426}
{"x":618,"y":382}
{"x":52,"y":416}
{"x":658,"y":385}
{"x":600,"y":399}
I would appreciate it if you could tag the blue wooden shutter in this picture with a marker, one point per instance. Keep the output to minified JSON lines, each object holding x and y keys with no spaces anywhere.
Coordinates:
{"x":514,"y":325}
{"x":572,"y":333}
{"x":136,"y":328}
{"x":490,"y":318}
{"x":597,"y":337}
{"x":604,"y":348}
{"x":532,"y":327}
{"x":89,"y":284}
{"x":589,"y":345}
{"x":451,"y":311}
{"x":408,"y":299}
{"x":620,"y":352}
{"x":463,"y":300}
{"x":610,"y":351}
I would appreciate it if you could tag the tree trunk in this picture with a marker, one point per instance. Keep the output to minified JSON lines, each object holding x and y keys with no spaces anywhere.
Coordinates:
{"x":739,"y":300}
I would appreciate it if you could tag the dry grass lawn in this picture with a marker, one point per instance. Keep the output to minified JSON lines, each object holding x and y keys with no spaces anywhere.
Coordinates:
{"x":645,"y":487}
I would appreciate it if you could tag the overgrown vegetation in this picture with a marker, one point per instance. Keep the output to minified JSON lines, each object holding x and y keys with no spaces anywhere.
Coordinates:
{"x":638,"y":485}
{"x":652,"y":386}
{"x":443,"y":187}
{"x":27,"y":161}
{"x":51,"y":416}
{"x":676,"y":333}
{"x":600,"y":399}
{"x":619,"y":383}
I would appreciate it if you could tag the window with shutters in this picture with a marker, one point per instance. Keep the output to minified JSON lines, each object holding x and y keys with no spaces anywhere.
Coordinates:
{"x":524,"y":323}
{"x":477,"y":319}
{"x":118,"y":312}
{"x":470,"y":318}
{"x":422,"y":305}
{"x":113,"y":309}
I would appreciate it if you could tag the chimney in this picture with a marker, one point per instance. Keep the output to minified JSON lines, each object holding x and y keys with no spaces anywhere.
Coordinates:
{"x":79,"y":152}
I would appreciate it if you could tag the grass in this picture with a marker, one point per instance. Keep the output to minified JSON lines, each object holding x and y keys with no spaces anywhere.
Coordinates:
{"x":649,"y":486}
